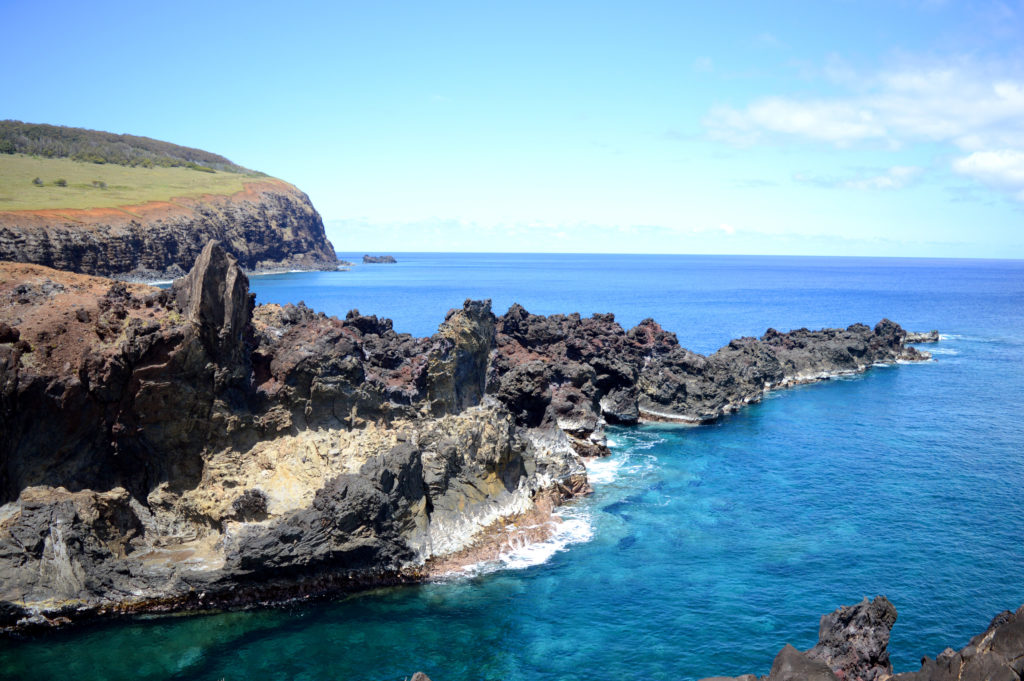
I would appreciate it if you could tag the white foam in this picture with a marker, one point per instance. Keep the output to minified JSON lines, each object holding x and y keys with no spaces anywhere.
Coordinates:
{"x":576,"y":528}
{"x":943,"y":351}
{"x":601,"y":471}
{"x":949,"y":336}
{"x":647,"y":444}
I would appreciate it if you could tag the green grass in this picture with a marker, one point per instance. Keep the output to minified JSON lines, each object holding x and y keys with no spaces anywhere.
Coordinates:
{"x":125,"y":186}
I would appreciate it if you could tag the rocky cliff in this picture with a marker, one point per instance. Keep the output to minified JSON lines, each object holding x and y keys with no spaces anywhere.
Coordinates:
{"x":178,"y":449}
{"x":269,"y":225}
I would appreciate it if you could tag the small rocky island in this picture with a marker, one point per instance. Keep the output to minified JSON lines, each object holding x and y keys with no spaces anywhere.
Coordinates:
{"x":379,"y":259}
{"x":181,"y":449}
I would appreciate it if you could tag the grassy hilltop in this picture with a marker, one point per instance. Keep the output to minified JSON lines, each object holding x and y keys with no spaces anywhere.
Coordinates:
{"x":46,"y":167}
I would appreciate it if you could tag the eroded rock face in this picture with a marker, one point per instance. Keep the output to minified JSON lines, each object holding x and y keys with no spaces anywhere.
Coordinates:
{"x":177,"y":449}
{"x":270,"y":224}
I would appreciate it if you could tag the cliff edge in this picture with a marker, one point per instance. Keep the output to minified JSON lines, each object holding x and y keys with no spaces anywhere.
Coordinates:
{"x":268,"y":225}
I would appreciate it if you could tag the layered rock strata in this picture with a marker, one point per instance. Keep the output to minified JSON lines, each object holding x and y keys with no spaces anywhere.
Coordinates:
{"x":168,"y":449}
{"x":853,"y":646}
{"x":269,"y":225}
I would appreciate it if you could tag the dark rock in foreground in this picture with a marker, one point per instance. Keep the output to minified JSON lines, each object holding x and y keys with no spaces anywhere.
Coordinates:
{"x":852,"y":646}
{"x":997,"y":654}
{"x":853,"y":640}
{"x":164,"y":450}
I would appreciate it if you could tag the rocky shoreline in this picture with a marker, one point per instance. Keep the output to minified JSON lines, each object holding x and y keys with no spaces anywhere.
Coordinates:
{"x":182,"y":449}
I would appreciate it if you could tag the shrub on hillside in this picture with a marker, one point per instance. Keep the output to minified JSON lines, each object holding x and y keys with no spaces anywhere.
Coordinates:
{"x":93,"y":146}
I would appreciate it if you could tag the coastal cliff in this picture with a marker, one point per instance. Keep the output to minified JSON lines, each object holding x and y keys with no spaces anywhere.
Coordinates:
{"x":178,"y":449}
{"x":268,"y":225}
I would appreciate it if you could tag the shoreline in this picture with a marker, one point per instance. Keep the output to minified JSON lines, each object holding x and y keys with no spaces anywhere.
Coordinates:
{"x":163,"y":280}
{"x":246,"y":448}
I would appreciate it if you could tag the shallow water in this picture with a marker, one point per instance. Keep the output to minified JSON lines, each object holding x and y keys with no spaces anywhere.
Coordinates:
{"x":703,"y":550}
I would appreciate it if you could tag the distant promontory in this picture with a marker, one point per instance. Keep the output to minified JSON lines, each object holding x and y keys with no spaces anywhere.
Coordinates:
{"x":133,"y":207}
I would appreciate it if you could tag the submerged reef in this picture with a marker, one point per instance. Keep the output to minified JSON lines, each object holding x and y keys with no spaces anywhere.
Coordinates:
{"x":182,"y":449}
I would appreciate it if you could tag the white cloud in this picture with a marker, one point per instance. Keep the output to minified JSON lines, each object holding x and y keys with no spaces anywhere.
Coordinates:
{"x":1003,"y":169}
{"x":973,"y":107}
{"x":896,"y":178}
{"x":837,"y":122}
{"x":953,"y":104}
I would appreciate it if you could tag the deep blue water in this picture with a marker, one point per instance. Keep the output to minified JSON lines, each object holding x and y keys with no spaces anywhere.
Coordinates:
{"x":709,"y":547}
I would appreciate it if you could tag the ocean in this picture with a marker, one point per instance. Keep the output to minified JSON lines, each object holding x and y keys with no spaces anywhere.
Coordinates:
{"x":703,"y":550}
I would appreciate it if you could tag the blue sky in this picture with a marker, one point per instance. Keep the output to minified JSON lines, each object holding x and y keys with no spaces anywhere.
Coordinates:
{"x":829,"y":128}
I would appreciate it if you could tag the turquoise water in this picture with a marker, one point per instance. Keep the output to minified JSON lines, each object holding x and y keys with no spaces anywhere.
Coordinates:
{"x":702,"y":550}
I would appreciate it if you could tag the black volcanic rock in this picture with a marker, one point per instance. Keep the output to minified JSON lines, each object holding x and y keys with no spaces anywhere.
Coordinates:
{"x":158,"y":445}
{"x":852,"y":646}
{"x":579,"y":373}
{"x":853,"y":640}
{"x":792,"y":665}
{"x":997,"y":654}
{"x":378,"y":259}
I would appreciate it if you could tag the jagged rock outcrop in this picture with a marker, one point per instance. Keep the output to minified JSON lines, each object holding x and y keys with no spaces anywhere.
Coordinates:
{"x":852,"y":646}
{"x":157,"y":445}
{"x":853,"y":641}
{"x":269,"y":225}
{"x":579,"y":373}
{"x":379,"y":259}
{"x":165,"y":449}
